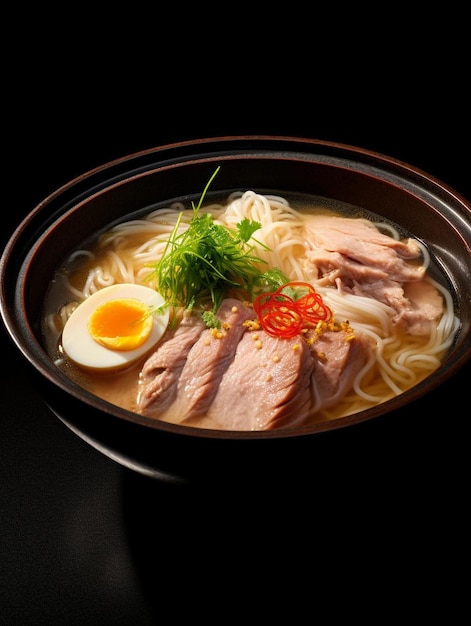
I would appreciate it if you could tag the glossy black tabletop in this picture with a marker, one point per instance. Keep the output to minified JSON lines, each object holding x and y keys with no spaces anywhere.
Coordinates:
{"x":86,"y":541}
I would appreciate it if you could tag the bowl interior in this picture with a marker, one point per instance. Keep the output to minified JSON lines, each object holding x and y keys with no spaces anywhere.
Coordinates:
{"x":373,"y":183}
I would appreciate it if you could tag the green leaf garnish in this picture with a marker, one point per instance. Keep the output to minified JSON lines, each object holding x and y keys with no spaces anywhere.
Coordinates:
{"x":205,"y":190}
{"x":202,"y":263}
{"x":247,"y":228}
{"x":210,"y":319}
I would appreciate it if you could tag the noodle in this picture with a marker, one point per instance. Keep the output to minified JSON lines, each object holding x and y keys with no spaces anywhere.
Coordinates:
{"x":397,"y":361}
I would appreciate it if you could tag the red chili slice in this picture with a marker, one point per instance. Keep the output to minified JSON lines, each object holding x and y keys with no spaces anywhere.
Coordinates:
{"x":283,"y":321}
{"x":313,"y":308}
{"x":311,"y":303}
{"x":281,"y":316}
{"x":278,"y":314}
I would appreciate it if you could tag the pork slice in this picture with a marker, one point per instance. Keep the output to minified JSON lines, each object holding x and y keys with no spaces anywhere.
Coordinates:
{"x":161,"y":372}
{"x":355,"y":249}
{"x":424,"y":307}
{"x":336,"y":362}
{"x":357,"y":258}
{"x":208,"y":360}
{"x":359,"y":240}
{"x":266,"y":386}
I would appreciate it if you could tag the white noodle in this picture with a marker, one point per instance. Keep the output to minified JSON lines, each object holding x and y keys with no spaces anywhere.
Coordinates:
{"x":397,"y":361}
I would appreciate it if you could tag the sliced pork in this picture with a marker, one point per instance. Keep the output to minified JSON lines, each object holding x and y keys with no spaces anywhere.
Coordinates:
{"x":424,"y":308}
{"x":241,"y":379}
{"x":208,"y":360}
{"x":266,"y":386}
{"x":337,"y":361}
{"x":161,"y":372}
{"x":357,"y":258}
{"x":355,"y":249}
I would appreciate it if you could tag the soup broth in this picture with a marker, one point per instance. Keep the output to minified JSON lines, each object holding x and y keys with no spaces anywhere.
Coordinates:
{"x":401,"y":346}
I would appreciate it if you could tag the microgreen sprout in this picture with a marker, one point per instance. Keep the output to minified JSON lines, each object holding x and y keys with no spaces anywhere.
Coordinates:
{"x":202,"y":263}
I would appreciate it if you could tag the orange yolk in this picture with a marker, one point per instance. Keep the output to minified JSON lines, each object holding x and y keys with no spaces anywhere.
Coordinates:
{"x":122,"y":324}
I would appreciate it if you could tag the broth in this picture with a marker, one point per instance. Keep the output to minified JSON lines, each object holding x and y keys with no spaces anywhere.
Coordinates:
{"x":124,"y":251}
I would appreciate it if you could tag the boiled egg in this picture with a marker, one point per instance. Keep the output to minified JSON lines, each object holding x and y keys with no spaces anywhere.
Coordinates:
{"x":115,"y":326}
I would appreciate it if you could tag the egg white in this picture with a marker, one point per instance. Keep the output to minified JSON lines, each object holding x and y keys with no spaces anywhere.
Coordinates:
{"x":80,"y":346}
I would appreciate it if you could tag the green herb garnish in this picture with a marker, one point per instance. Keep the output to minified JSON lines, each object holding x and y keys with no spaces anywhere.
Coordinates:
{"x":200,"y":264}
{"x":210,"y":319}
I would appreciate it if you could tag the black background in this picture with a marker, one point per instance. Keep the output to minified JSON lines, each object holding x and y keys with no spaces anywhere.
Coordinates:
{"x":85,"y":541}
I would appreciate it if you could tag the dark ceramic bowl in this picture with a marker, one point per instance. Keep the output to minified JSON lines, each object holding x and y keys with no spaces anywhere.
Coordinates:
{"x":409,"y":197}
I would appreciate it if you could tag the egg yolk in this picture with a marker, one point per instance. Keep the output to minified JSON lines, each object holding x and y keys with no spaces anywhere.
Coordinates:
{"x":123,"y":324}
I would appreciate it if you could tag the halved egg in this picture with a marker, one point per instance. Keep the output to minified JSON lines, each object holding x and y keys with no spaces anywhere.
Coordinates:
{"x":115,"y":326}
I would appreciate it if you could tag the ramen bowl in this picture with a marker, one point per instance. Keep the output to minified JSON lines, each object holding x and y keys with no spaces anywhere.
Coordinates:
{"x":373,"y":183}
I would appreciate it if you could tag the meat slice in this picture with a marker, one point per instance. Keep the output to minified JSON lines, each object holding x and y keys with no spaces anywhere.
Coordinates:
{"x":208,"y":360}
{"x":357,"y":258}
{"x":161,"y":372}
{"x":337,"y":359}
{"x":236,"y":379}
{"x":354,"y":249}
{"x":266,"y":386}
{"x":425,"y":306}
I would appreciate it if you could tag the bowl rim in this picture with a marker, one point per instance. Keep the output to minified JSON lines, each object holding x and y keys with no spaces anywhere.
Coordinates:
{"x":118,"y":172}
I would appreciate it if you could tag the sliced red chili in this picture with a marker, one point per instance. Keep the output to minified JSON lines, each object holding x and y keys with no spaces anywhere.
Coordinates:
{"x":313,"y":308}
{"x":283,"y":316}
{"x":283,"y":321}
